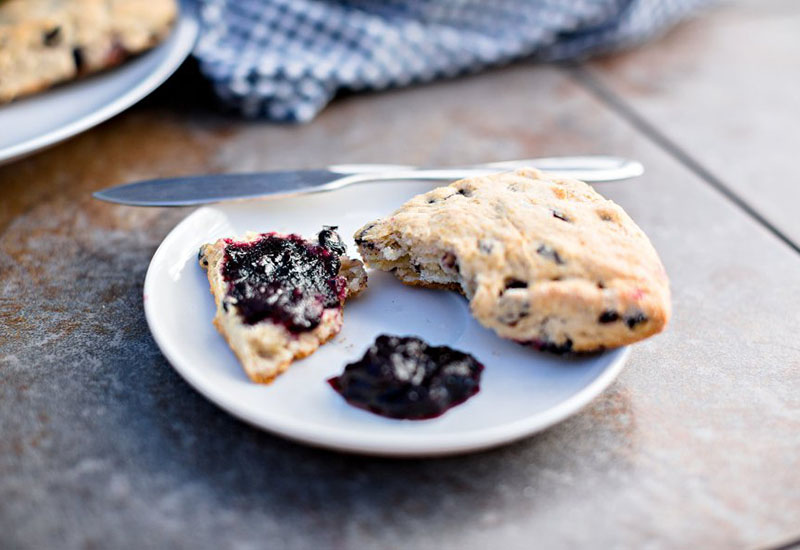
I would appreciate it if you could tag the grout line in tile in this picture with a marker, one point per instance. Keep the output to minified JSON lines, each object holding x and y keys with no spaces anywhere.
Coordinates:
{"x":586,"y":77}
{"x":790,"y":545}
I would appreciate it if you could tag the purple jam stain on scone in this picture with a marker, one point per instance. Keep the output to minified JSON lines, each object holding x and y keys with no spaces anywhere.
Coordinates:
{"x":279,"y":297}
{"x":405,"y":378}
{"x":285,"y":279}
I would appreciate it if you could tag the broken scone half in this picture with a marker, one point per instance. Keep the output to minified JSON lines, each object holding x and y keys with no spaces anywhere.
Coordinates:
{"x":279,"y":297}
{"x":543,"y":260}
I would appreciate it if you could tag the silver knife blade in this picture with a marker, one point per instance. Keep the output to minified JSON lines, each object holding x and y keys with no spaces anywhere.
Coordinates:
{"x":210,"y":188}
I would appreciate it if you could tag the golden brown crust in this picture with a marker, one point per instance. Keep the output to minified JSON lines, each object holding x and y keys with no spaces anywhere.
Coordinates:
{"x":542,"y":259}
{"x":455,"y":287}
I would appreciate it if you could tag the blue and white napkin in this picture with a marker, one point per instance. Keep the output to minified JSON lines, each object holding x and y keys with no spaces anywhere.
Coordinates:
{"x":285,"y":59}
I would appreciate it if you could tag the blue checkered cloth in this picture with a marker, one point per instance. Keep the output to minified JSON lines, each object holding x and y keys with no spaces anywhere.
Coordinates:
{"x":285,"y":59}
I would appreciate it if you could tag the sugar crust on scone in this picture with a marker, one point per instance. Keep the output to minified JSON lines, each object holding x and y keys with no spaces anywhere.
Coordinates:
{"x":543,"y":260}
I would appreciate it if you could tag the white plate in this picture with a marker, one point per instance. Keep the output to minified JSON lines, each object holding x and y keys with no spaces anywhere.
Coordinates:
{"x":522,"y":391}
{"x":41,"y":120}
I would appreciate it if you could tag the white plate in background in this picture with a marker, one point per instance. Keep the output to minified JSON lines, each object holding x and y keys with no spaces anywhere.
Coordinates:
{"x":522,"y":391}
{"x":34,"y":122}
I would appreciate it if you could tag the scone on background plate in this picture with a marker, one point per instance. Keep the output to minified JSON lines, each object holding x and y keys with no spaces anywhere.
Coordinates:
{"x":279,"y":297}
{"x":44,"y":42}
{"x":544,"y":261}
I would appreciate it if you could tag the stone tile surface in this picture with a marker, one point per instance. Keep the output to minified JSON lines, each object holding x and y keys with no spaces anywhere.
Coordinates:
{"x":725,"y":87}
{"x":102,"y":445}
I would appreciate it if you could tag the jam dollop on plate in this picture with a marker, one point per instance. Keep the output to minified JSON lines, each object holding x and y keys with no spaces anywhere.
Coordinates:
{"x":405,"y":378}
{"x":285,"y":278}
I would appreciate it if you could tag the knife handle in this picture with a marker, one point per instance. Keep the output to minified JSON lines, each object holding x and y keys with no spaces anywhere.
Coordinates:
{"x":586,"y":168}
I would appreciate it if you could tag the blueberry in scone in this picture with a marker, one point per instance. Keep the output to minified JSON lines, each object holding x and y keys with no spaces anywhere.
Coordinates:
{"x":545,"y":261}
{"x":279,"y":297}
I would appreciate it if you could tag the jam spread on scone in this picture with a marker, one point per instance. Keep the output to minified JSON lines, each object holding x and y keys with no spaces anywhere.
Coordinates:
{"x":285,"y":279}
{"x":405,"y":378}
{"x":279,"y":297}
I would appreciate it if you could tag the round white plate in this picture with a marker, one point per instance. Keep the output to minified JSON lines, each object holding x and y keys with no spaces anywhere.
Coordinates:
{"x":522,"y":391}
{"x":41,"y":120}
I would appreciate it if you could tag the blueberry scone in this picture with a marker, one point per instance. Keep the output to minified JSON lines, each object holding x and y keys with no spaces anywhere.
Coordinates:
{"x":44,"y":42}
{"x":543,"y":260}
{"x":279,"y":297}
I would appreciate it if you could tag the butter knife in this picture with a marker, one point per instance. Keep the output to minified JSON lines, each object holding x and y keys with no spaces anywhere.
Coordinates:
{"x":210,"y":188}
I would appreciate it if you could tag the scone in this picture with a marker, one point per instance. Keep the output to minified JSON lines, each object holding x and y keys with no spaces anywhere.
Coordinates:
{"x":44,"y":42}
{"x":544,"y":261}
{"x":279,"y":297}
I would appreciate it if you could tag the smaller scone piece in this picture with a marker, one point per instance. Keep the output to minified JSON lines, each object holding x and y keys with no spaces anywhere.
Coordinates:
{"x":279,"y":297}
{"x":545,"y":261}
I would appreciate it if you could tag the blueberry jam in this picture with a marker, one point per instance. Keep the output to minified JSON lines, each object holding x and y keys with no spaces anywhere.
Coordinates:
{"x":285,"y":279}
{"x":406,"y":378}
